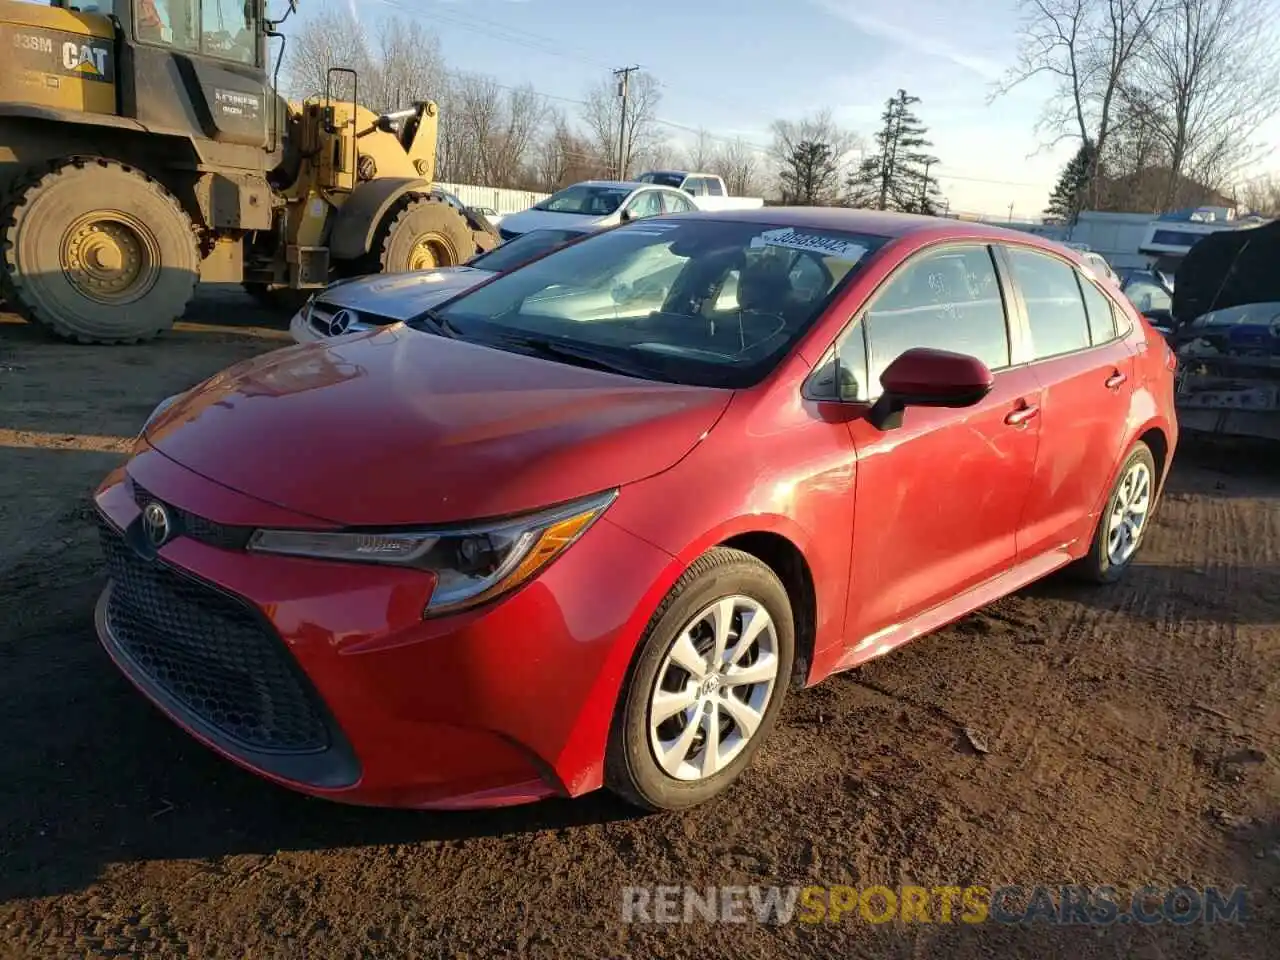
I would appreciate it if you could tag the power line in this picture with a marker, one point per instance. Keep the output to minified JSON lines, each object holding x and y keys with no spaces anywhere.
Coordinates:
{"x":541,"y":43}
{"x":507,"y":34}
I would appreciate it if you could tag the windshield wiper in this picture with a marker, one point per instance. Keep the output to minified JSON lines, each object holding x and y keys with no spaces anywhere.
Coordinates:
{"x":576,"y":354}
{"x":436,"y":323}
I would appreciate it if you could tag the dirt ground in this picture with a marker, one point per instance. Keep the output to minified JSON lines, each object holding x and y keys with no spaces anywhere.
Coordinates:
{"x":1133,"y":737}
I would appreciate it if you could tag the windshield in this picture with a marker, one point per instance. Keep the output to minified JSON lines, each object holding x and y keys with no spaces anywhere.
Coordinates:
{"x":520,"y":250}
{"x":1148,"y":296}
{"x":586,"y":198}
{"x":664,"y":179}
{"x":700,"y":302}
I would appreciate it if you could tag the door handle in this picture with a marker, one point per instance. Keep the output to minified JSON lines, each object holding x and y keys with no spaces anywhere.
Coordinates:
{"x":1116,"y":380}
{"x":1019,"y":417}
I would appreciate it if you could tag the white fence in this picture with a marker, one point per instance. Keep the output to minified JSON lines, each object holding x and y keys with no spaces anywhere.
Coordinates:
{"x":503,"y":201}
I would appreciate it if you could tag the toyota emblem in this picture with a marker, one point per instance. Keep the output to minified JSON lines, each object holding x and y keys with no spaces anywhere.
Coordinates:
{"x":156,"y":524}
{"x":341,"y":322}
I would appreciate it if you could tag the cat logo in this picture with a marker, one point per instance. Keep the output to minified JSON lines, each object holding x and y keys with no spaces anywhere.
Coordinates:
{"x":83,"y":58}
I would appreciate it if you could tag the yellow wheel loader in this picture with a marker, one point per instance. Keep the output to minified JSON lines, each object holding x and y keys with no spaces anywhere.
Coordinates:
{"x":143,"y":150}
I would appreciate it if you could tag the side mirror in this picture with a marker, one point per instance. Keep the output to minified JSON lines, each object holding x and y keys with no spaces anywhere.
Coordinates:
{"x":924,"y":377}
{"x":625,"y":215}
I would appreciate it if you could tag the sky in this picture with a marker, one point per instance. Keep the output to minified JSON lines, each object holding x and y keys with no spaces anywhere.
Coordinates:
{"x":733,"y":66}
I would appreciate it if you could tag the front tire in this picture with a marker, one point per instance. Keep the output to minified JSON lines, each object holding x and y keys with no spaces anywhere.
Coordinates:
{"x":421,"y":233}
{"x":706,"y":685}
{"x":98,"y":252}
{"x":1125,"y":519}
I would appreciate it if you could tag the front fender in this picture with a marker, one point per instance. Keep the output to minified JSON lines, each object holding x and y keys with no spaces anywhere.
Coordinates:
{"x":357,"y":219}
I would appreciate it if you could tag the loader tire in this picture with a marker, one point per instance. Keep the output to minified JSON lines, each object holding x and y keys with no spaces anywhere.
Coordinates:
{"x":420,"y":233}
{"x":97,"y":252}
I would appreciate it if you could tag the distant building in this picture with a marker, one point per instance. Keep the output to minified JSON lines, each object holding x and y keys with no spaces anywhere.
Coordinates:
{"x":1138,"y":239}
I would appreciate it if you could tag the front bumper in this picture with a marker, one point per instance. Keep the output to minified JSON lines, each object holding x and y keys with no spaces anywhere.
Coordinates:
{"x":338,"y":687}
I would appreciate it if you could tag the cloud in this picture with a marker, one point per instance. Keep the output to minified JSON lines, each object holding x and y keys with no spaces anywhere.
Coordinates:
{"x":912,"y":38}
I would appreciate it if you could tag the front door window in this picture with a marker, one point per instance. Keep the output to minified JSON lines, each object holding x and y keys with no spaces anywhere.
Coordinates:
{"x":216,"y":28}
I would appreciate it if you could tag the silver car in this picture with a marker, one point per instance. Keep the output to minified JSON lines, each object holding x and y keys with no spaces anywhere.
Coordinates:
{"x":360,"y":303}
{"x":595,"y":204}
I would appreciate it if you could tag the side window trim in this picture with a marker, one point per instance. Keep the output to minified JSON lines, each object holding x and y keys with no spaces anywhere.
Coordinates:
{"x":1020,"y":348}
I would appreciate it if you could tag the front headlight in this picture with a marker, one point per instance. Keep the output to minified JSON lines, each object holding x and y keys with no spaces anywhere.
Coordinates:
{"x":472,"y":563}
{"x":161,"y":407}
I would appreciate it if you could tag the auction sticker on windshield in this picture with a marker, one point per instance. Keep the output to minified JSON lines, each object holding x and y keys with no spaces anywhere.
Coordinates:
{"x":795,"y":240}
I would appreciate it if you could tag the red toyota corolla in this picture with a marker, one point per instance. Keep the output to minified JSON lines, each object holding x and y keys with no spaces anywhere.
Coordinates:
{"x":586,"y":524}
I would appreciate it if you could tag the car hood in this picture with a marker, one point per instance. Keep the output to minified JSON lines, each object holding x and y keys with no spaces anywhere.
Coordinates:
{"x":1247,"y":315}
{"x":549,"y":220}
{"x":397,"y":426}
{"x":1229,"y":268}
{"x":400,"y":296}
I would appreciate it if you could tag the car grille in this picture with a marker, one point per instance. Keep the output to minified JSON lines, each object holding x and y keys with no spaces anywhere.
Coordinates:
{"x":211,"y":653}
{"x":187,"y":524}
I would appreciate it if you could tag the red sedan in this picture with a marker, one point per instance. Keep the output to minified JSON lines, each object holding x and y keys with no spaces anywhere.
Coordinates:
{"x":585,"y":525}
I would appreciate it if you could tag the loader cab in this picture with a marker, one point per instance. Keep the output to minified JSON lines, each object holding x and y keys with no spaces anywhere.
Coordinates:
{"x":198,"y":67}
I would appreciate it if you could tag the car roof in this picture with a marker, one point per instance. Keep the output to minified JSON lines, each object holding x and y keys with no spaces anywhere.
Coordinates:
{"x":881,"y":223}
{"x":682,"y":173}
{"x":629,"y":184}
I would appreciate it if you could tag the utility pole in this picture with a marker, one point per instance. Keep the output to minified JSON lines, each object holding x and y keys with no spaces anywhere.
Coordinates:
{"x":924,"y":185}
{"x":623,"y":76}
{"x":1011,"y":213}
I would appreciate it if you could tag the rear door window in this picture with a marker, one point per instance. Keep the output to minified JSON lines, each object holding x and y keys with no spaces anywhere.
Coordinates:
{"x":647,"y":203}
{"x":673,"y":202}
{"x":948,"y":299}
{"x":1102,"y":317}
{"x":1055,"y":308}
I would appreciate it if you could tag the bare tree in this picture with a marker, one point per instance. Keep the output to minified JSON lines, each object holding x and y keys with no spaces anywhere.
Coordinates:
{"x":1261,"y":195}
{"x":410,"y":67}
{"x":738,"y":164}
{"x":1209,"y":77}
{"x":488,"y":131}
{"x":811,"y":155}
{"x":1089,"y":48}
{"x":660,"y":154}
{"x":332,"y":38}
{"x":564,"y":156}
{"x":602,"y":115}
{"x":698,"y":154}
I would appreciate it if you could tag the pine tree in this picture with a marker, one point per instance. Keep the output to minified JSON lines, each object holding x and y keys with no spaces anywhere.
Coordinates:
{"x":1068,"y":197}
{"x":896,"y":176}
{"x":810,"y":174}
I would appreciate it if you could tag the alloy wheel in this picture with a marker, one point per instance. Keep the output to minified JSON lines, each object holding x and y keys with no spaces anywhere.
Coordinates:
{"x":713,"y":688}
{"x":1128,"y":516}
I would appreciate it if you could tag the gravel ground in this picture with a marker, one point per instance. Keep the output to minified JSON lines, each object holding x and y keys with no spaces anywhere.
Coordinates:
{"x":1132,"y":736}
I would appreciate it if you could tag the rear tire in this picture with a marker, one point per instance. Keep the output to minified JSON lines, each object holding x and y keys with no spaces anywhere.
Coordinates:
{"x":723,"y":586}
{"x":1125,"y":519}
{"x":420,"y":233}
{"x":97,"y":252}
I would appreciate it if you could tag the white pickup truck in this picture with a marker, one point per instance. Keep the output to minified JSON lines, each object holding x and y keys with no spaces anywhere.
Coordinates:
{"x":707,"y":189}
